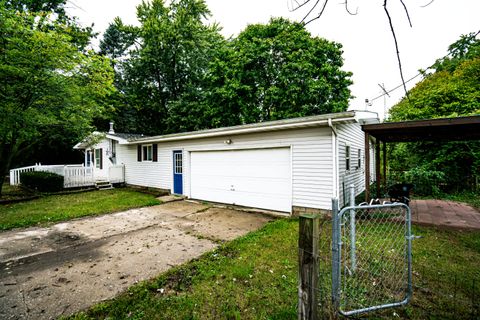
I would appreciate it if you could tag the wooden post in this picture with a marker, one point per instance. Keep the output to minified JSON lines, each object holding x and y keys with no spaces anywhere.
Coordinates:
{"x":377,"y":167}
{"x":384,"y":167}
{"x":308,"y":260}
{"x":367,"y":167}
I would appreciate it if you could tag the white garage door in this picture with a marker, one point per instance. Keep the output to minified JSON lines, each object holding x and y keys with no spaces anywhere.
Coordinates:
{"x":259,"y":178}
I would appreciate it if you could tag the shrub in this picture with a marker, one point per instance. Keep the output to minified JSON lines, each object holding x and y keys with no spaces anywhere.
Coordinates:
{"x":42,"y":181}
{"x":426,"y":182}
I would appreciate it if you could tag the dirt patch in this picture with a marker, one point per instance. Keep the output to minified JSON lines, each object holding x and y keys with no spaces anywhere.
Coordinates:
{"x":223,"y":224}
{"x":54,"y":271}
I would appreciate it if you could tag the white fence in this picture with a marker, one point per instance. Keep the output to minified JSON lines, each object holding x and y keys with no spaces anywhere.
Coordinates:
{"x":75,"y":175}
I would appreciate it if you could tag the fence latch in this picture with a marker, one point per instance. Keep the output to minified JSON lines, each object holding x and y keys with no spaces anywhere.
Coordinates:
{"x":413,"y":237}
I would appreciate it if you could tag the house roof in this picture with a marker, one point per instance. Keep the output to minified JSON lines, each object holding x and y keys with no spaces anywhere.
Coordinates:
{"x":125,"y":136}
{"x":303,"y":122}
{"x":122,"y":138}
{"x":444,"y":129}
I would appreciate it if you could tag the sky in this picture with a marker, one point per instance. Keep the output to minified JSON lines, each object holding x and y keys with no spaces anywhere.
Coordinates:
{"x":368,"y":45}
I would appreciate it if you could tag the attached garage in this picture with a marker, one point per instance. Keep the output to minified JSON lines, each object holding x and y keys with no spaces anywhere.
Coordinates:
{"x":291,"y":166}
{"x":258,"y":178}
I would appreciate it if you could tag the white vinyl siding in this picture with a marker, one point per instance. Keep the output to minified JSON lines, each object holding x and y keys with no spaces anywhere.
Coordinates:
{"x":350,"y":135}
{"x":311,"y":152}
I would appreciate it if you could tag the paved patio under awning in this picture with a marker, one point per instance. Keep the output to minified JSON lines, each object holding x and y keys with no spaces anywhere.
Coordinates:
{"x":443,"y":213}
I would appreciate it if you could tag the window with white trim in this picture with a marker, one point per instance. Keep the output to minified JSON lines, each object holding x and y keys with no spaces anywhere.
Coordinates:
{"x":98,"y":158}
{"x":147,"y":152}
{"x":347,"y":158}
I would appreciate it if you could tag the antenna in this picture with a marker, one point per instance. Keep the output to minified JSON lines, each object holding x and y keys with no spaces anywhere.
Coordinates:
{"x":382,"y":86}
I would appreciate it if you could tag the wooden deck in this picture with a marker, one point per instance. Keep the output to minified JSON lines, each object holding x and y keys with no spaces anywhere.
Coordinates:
{"x":445,"y":214}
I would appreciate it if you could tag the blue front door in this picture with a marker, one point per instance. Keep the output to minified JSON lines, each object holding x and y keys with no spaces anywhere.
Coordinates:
{"x":177,"y":172}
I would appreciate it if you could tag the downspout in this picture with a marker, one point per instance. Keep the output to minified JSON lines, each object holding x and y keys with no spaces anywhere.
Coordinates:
{"x":335,"y":192}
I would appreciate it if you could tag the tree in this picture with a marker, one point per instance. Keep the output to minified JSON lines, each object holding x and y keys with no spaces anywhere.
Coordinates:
{"x":166,"y":68}
{"x":278,"y":71}
{"x":450,"y":89}
{"x":181,"y":75}
{"x":48,"y":83}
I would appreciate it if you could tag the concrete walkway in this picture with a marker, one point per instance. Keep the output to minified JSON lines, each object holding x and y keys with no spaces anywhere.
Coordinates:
{"x":59,"y":270}
{"x":445,"y":214}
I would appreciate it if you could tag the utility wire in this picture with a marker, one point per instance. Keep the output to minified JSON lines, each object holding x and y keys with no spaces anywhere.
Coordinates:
{"x":415,"y":76}
{"x":397,"y":87}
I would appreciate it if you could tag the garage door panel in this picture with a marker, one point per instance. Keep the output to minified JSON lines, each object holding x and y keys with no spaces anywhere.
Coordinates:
{"x":257,"y":178}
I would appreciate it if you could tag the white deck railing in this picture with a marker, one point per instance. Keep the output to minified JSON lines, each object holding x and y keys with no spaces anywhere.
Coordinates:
{"x":15,"y":174}
{"x":75,"y":175}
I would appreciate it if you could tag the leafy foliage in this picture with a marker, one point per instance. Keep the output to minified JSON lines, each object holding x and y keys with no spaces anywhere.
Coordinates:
{"x":50,"y":84}
{"x":281,"y":71}
{"x":42,"y":181}
{"x":452,"y":90}
{"x":174,"y":73}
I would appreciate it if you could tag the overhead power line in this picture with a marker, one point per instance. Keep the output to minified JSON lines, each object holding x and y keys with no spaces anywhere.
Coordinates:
{"x":393,"y":89}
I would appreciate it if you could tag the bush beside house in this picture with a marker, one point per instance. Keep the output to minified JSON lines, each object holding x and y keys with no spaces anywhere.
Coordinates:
{"x":42,"y":181}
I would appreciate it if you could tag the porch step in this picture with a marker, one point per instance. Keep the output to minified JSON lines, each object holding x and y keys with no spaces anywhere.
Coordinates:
{"x":103,"y":185}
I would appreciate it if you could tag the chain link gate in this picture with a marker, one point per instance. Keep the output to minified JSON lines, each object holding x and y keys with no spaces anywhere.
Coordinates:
{"x":371,"y":258}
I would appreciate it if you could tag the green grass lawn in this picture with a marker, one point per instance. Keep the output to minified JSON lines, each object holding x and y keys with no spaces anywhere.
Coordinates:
{"x":53,"y":208}
{"x":255,"y":277}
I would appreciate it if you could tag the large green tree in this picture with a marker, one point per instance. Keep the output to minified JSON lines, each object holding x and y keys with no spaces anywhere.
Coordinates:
{"x":180,"y":74}
{"x":450,"y":88}
{"x":162,"y":64}
{"x":279,"y":70}
{"x":49,"y":82}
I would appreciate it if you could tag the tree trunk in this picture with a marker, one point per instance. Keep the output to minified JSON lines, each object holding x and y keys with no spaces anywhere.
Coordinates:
{"x":4,"y":166}
{"x":7,"y":152}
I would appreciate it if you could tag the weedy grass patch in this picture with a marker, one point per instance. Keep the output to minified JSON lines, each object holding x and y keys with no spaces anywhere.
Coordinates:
{"x":63,"y":207}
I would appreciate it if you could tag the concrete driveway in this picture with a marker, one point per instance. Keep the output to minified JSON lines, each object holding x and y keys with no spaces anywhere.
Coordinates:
{"x":54,"y":271}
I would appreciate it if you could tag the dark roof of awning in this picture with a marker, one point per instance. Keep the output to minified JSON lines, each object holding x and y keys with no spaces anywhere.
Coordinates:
{"x":445,"y":129}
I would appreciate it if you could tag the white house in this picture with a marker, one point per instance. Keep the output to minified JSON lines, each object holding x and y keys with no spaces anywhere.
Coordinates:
{"x":102,"y":155}
{"x":285,"y":165}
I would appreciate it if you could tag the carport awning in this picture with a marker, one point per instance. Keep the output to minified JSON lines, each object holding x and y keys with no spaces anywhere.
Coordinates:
{"x":445,"y":129}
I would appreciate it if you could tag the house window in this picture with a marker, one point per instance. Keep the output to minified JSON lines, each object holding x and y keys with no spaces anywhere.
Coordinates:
{"x":114,"y":148}
{"x":113,"y":151}
{"x":359,"y":163}
{"x":89,"y":158}
{"x":347,"y":158}
{"x":147,"y":153}
{"x":178,"y":163}
{"x":98,"y":158}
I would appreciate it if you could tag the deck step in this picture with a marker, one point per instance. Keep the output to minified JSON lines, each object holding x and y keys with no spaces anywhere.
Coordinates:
{"x":103,"y":185}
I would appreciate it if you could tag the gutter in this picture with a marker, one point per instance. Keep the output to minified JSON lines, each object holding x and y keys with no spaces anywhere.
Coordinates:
{"x":335,"y":177}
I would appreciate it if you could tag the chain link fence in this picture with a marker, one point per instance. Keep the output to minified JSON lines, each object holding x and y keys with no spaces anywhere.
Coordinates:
{"x":372,"y":258}
{"x":362,"y":257}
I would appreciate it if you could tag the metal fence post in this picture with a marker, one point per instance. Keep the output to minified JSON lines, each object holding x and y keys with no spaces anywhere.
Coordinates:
{"x":308,"y":260}
{"x":353,"y":249}
{"x":335,"y":256}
